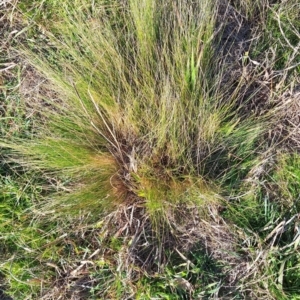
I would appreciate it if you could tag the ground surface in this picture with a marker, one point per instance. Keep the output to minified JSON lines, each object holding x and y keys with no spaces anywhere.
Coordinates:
{"x":232,"y":231}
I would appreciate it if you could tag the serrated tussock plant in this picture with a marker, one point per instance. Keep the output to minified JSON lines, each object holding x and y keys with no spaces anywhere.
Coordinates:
{"x":141,"y":113}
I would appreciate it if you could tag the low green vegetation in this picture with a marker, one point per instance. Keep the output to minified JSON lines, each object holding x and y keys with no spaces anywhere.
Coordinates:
{"x":150,"y":150}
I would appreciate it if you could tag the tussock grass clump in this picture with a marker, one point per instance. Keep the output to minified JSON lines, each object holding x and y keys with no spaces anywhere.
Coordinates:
{"x":139,"y":81}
